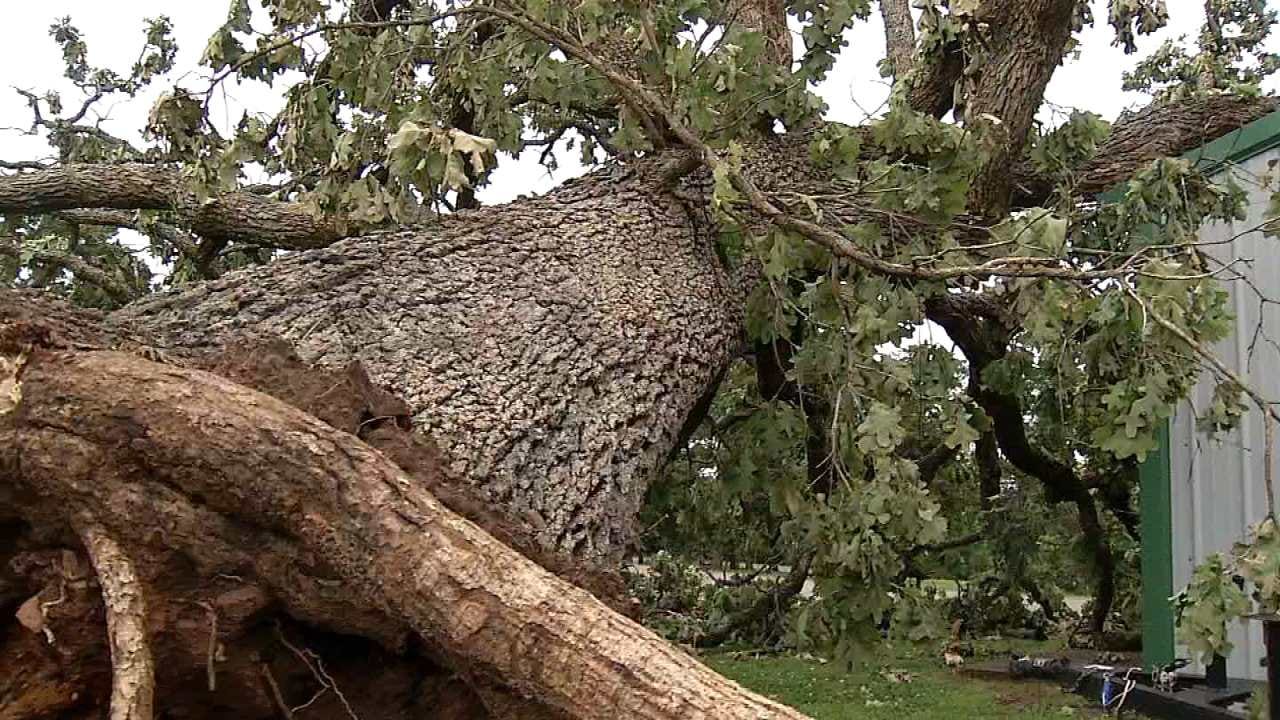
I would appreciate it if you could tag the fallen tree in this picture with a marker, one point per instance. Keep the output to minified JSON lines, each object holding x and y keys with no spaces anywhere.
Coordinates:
{"x":556,"y":349}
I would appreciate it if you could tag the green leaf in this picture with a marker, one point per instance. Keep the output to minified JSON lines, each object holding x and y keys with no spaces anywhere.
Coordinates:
{"x":1259,"y":562}
{"x":962,"y":434}
{"x":1208,"y":604}
{"x":881,"y":432}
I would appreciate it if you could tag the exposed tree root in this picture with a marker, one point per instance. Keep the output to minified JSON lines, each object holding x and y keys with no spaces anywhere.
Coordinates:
{"x":235,"y":499}
{"x":133,"y":682}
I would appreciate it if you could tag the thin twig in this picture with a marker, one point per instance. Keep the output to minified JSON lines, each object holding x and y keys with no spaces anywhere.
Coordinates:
{"x":211,"y":651}
{"x":321,"y":675}
{"x":46,"y":606}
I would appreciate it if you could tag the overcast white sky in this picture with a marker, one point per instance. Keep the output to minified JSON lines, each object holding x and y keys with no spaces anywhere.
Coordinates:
{"x":29,"y":59}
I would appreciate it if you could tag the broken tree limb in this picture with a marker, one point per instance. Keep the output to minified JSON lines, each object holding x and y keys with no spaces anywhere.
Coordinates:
{"x":162,"y":450}
{"x":777,"y":600}
{"x":133,"y":669}
{"x":1137,"y":138}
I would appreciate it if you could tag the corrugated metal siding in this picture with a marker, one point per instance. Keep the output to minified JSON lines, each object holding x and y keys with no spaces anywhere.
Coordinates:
{"x":1216,"y":485}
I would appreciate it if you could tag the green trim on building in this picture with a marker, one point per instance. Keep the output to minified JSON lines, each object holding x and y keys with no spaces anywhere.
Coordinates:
{"x":1157,"y":554}
{"x":1155,"y":473}
{"x":1257,"y":137}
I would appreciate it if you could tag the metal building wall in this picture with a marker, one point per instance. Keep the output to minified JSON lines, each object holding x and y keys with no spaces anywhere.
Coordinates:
{"x":1216,"y":485}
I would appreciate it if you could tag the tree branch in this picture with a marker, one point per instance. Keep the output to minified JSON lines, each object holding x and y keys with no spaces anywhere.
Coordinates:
{"x":23,"y":165}
{"x":374,"y":10}
{"x":78,"y":266}
{"x":987,"y":457}
{"x":776,"y":599}
{"x":1115,"y":494}
{"x":171,"y":235}
{"x":932,"y":81}
{"x":980,"y":328}
{"x":1159,"y":130}
{"x":899,"y":35}
{"x":934,"y":460}
{"x":769,"y":18}
{"x":239,"y":216}
{"x":929,"y":81}
{"x":1022,"y":46}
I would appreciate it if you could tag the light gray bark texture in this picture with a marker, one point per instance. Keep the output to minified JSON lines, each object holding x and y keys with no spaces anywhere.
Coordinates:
{"x":554,"y":347}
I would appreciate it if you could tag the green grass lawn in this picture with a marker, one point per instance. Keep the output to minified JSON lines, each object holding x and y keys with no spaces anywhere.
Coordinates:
{"x":826,"y":692}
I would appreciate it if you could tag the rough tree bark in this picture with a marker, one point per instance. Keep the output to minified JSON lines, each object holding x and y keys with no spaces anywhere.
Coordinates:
{"x":900,"y":35}
{"x":242,"y":216}
{"x":1161,"y":130}
{"x":1021,"y":47}
{"x":133,"y":676}
{"x":553,"y":347}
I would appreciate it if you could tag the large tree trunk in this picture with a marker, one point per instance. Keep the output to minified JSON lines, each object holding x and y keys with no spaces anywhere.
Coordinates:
{"x":554,"y":347}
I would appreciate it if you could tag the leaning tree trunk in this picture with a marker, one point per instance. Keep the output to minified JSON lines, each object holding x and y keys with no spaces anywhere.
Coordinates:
{"x":554,"y":347}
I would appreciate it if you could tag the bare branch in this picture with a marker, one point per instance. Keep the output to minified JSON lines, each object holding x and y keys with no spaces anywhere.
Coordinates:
{"x":171,"y":235}
{"x":22,"y":165}
{"x":85,"y":107}
{"x":33,"y":101}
